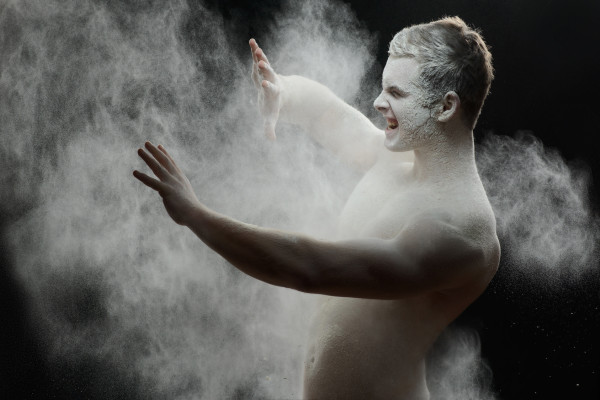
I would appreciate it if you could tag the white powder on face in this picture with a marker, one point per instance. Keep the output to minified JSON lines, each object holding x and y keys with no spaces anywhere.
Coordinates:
{"x":416,"y":125}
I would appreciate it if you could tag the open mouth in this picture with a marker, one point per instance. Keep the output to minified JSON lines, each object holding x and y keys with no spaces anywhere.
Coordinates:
{"x":392,"y":123}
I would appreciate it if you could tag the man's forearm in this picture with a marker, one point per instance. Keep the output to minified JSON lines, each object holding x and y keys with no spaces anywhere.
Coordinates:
{"x":367,"y":267}
{"x":330,"y":121}
{"x":304,"y":100}
{"x":265,"y":254}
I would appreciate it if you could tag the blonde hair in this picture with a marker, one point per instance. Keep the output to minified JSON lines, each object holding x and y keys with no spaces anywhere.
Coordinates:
{"x":452,"y":57}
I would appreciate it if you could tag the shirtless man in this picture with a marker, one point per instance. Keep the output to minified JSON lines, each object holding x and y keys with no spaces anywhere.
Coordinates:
{"x":417,"y":240}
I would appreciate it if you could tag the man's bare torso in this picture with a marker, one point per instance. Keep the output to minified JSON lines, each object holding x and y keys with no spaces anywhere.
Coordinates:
{"x":375,"y":349}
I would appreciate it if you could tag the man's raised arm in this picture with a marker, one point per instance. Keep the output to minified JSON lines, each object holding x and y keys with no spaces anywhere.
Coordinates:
{"x":330,"y":121}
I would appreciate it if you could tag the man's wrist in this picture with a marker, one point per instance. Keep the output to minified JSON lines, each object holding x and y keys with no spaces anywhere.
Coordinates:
{"x":195,"y":216}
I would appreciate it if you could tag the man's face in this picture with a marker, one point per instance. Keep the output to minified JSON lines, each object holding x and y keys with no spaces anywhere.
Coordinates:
{"x":410,"y":123}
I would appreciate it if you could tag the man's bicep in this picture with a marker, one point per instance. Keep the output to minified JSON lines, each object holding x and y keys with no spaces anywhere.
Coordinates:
{"x":424,"y":257}
{"x":445,"y":257}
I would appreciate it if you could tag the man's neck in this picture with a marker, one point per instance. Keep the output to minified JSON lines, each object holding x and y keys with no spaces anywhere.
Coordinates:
{"x":448,"y":156}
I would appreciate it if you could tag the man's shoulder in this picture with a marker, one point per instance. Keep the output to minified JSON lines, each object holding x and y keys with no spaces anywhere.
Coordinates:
{"x":450,"y":247}
{"x":470,"y":224}
{"x":467,"y":207}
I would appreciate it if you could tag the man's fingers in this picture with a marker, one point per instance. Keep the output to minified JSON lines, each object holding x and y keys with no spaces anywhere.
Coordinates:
{"x":158,"y":169}
{"x":160,"y":157}
{"x":257,"y":53}
{"x":253,"y":48}
{"x":260,"y":55}
{"x":270,"y":130}
{"x":255,"y":72}
{"x":255,"y":76}
{"x":161,"y":148}
{"x":151,"y":182}
{"x":266,"y":71}
{"x":270,"y":88}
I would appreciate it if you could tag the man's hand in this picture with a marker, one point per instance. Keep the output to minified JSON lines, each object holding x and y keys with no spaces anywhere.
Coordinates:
{"x":172,"y":185}
{"x":269,"y":88}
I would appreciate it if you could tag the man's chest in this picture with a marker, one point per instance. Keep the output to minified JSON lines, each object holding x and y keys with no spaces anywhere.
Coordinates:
{"x":382,"y":202}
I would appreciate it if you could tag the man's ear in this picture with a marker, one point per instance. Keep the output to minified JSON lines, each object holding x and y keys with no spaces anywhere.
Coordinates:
{"x":450,"y":106}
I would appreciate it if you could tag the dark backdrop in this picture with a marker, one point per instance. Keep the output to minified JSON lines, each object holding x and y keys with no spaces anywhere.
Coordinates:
{"x":541,"y":342}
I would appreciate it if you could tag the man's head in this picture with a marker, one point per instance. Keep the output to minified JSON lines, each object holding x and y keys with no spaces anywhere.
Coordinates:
{"x":452,"y":58}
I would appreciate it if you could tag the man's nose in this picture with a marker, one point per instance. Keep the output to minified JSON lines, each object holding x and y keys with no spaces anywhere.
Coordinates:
{"x":380,"y":104}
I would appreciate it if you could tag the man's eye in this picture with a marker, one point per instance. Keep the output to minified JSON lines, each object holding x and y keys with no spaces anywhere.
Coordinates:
{"x":395,"y":93}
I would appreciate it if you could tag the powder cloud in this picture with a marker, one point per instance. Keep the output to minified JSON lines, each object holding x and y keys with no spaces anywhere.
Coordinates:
{"x":135,"y":306}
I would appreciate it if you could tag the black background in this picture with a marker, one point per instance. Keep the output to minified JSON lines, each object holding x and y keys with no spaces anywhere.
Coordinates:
{"x":540,"y":341}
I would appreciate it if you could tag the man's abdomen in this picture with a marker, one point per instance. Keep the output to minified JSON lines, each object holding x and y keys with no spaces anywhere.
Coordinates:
{"x":365,"y":349}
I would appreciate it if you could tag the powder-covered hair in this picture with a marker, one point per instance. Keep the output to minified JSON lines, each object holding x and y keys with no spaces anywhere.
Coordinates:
{"x":451,"y":56}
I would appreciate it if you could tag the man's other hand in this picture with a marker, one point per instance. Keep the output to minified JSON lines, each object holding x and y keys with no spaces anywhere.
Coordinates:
{"x":269,"y":88}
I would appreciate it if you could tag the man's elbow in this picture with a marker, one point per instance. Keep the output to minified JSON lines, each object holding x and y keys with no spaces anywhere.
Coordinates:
{"x":310,"y":281}
{"x":305,"y":280}
{"x":293,"y":272}
{"x":303,"y":285}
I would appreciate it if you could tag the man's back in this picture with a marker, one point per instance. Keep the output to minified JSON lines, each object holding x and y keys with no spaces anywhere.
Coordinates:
{"x":365,"y":348}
